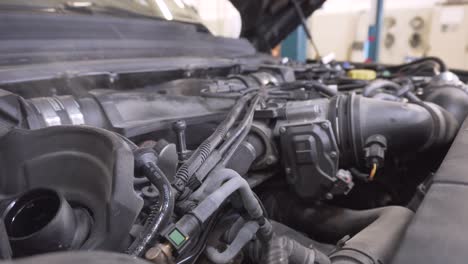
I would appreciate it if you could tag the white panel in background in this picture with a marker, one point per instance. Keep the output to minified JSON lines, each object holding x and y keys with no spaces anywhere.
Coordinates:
{"x":448,"y":38}
{"x":405,"y":35}
{"x":451,"y":15}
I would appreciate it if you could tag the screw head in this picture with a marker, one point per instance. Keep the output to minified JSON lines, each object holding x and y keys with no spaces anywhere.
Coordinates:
{"x":324,"y":125}
{"x":282,"y":130}
{"x":180,"y":125}
{"x":333,"y":154}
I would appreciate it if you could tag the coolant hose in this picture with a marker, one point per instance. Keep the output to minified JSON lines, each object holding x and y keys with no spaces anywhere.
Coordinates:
{"x":244,"y":235}
{"x":373,"y":88}
{"x":374,"y":233}
{"x":377,"y":242}
{"x":326,"y":223}
{"x":145,"y":160}
{"x":212,"y":202}
{"x":236,"y":183}
{"x":283,"y":250}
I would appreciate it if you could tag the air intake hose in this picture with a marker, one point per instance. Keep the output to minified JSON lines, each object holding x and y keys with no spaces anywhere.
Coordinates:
{"x":405,"y":127}
{"x":41,"y":220}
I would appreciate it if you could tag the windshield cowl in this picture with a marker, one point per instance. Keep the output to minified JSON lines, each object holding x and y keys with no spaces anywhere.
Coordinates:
{"x":157,"y":9}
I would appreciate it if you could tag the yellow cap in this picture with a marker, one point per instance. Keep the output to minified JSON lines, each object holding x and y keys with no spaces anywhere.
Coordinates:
{"x":362,"y":74}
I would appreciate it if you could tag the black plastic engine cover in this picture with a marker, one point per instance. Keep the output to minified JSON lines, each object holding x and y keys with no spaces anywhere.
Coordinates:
{"x":92,"y":169}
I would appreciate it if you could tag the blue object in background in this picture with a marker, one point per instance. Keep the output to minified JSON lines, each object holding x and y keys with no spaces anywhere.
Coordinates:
{"x":295,"y":45}
{"x":375,"y":28}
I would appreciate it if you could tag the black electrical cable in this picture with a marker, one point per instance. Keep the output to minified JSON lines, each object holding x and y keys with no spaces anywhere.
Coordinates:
{"x":208,"y":94}
{"x":243,"y":125}
{"x":227,"y":95}
{"x":310,"y":84}
{"x":200,"y":155}
{"x":265,"y":212}
{"x":162,"y":212}
{"x":438,"y":61}
{"x":200,"y":244}
{"x":350,"y":87}
{"x":346,"y":84}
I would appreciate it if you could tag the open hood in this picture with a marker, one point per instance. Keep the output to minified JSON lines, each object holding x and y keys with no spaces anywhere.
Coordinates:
{"x":267,"y":22}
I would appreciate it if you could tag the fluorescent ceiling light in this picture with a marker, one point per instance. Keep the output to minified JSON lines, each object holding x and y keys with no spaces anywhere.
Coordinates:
{"x":179,"y":3}
{"x":164,"y":9}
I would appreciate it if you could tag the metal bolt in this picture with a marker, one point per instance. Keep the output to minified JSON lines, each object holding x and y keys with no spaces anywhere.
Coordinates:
{"x":282,"y":130}
{"x":333,"y":155}
{"x":288,"y":170}
{"x":324,"y":125}
{"x":153,"y":253}
{"x":160,"y":253}
{"x":181,"y":146}
{"x":328,"y":196}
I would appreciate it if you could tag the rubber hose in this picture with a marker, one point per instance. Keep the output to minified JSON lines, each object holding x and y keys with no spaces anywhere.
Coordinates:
{"x":212,"y":203}
{"x":375,"y":233}
{"x":211,"y":183}
{"x":371,"y":89}
{"x":442,"y":65}
{"x":283,"y":250}
{"x":161,"y":214}
{"x":323,"y":89}
{"x":325,"y":223}
{"x":378,"y":242}
{"x":245,"y":234}
{"x":387,"y":97}
{"x":206,"y":208}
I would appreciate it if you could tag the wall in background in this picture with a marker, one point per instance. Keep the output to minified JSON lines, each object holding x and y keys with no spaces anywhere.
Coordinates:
{"x":353,"y":5}
{"x":411,"y":29}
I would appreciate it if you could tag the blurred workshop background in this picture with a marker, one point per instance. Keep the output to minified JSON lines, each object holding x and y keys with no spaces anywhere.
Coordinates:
{"x":384,"y":31}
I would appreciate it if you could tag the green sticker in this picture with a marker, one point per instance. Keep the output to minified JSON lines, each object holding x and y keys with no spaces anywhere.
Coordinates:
{"x":177,"y":237}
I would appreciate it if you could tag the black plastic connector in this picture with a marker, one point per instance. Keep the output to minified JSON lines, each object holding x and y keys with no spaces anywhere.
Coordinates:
{"x":374,"y":150}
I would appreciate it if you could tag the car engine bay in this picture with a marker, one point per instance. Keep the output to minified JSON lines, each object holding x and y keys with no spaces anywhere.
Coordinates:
{"x":224,"y":161}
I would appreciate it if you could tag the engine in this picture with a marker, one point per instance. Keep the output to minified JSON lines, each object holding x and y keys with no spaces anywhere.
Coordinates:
{"x":245,"y":162}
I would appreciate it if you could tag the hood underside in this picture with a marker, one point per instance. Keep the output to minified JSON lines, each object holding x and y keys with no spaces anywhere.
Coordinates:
{"x":267,"y":22}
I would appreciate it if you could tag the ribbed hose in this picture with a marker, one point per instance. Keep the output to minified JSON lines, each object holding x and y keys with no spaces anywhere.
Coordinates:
{"x":200,"y":155}
{"x":160,"y":214}
{"x":283,"y":250}
{"x":243,"y":125}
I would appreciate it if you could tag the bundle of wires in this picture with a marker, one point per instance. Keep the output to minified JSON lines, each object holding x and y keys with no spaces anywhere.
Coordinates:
{"x":210,"y":148}
{"x":423,"y":65}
